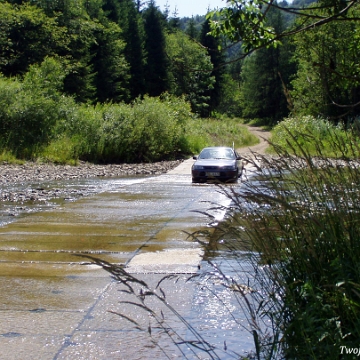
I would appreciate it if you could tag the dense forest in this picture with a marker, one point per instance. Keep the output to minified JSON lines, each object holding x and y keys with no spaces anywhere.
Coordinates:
{"x":58,"y":55}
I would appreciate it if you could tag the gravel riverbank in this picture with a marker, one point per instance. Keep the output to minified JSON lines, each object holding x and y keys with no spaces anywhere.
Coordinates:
{"x":28,"y":182}
{"x":33,"y":172}
{"x":22,"y":176}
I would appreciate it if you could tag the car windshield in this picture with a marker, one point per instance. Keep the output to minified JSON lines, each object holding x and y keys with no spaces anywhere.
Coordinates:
{"x":217,"y":154}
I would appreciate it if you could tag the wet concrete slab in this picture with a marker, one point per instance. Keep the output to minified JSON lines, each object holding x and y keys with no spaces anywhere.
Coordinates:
{"x":98,"y":332}
{"x":106,"y":335}
{"x":54,"y":305}
{"x":172,"y":261}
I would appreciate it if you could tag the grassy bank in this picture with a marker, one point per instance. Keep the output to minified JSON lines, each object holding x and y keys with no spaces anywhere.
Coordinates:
{"x":316,"y":136}
{"x":302,"y":219}
{"x":218,"y":132}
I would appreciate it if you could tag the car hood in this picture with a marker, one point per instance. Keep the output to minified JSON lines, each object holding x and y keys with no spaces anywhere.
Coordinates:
{"x":214,"y":162}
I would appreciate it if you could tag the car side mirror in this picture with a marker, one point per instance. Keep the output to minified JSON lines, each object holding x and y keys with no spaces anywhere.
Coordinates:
{"x":238,"y":158}
{"x":195,"y":157}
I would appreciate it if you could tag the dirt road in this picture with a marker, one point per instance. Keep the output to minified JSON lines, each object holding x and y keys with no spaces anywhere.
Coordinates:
{"x":260,"y":148}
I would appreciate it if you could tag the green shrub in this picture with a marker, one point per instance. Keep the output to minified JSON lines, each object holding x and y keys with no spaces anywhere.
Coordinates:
{"x":218,"y":132}
{"x":151,"y":129}
{"x":116,"y":133}
{"x":29,"y":109}
{"x":158,"y":128}
{"x":79,"y":126}
{"x":38,"y":122}
{"x":9,"y":90}
{"x":318,"y":136}
{"x":26,"y":123}
{"x":61,"y":151}
{"x":8,"y":157}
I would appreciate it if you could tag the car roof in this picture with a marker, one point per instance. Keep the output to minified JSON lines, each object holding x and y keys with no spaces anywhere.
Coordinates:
{"x":218,"y":147}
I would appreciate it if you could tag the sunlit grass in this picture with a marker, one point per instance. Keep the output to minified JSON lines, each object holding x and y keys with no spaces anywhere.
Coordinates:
{"x":318,"y":136}
{"x":9,"y":158}
{"x":218,"y":132}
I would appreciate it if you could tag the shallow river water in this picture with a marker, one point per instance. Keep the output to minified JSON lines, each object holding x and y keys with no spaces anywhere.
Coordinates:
{"x":55,"y":305}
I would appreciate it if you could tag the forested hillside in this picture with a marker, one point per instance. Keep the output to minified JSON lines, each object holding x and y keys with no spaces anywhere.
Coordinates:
{"x":60,"y":59}
{"x":110,"y":51}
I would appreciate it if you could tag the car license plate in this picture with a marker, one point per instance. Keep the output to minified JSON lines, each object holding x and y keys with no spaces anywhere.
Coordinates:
{"x":213,"y":173}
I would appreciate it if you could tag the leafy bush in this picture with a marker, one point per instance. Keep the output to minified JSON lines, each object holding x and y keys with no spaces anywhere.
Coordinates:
{"x":26,"y":119}
{"x":319,"y":136}
{"x":61,"y":151}
{"x":38,"y":122}
{"x":29,"y":109}
{"x":151,"y":129}
{"x":157,"y":128}
{"x":9,"y":90}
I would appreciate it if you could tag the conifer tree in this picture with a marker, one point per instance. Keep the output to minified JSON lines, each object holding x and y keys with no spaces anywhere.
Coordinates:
{"x":191,"y":29}
{"x":110,"y":66}
{"x":156,"y":68}
{"x":217,"y":59}
{"x":125,"y":13}
{"x":135,"y":52}
{"x":174,"y":21}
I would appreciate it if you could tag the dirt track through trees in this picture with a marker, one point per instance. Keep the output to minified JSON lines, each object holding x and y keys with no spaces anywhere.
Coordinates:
{"x":260,"y":148}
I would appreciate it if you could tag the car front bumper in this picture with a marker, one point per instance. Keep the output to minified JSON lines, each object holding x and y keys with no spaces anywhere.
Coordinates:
{"x":220,"y":175}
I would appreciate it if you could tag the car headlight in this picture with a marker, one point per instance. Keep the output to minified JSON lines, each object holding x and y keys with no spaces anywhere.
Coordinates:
{"x":198,"y":167}
{"x":230,"y":167}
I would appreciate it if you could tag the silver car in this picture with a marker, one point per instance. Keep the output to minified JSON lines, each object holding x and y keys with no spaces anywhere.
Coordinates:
{"x":217,"y":163}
